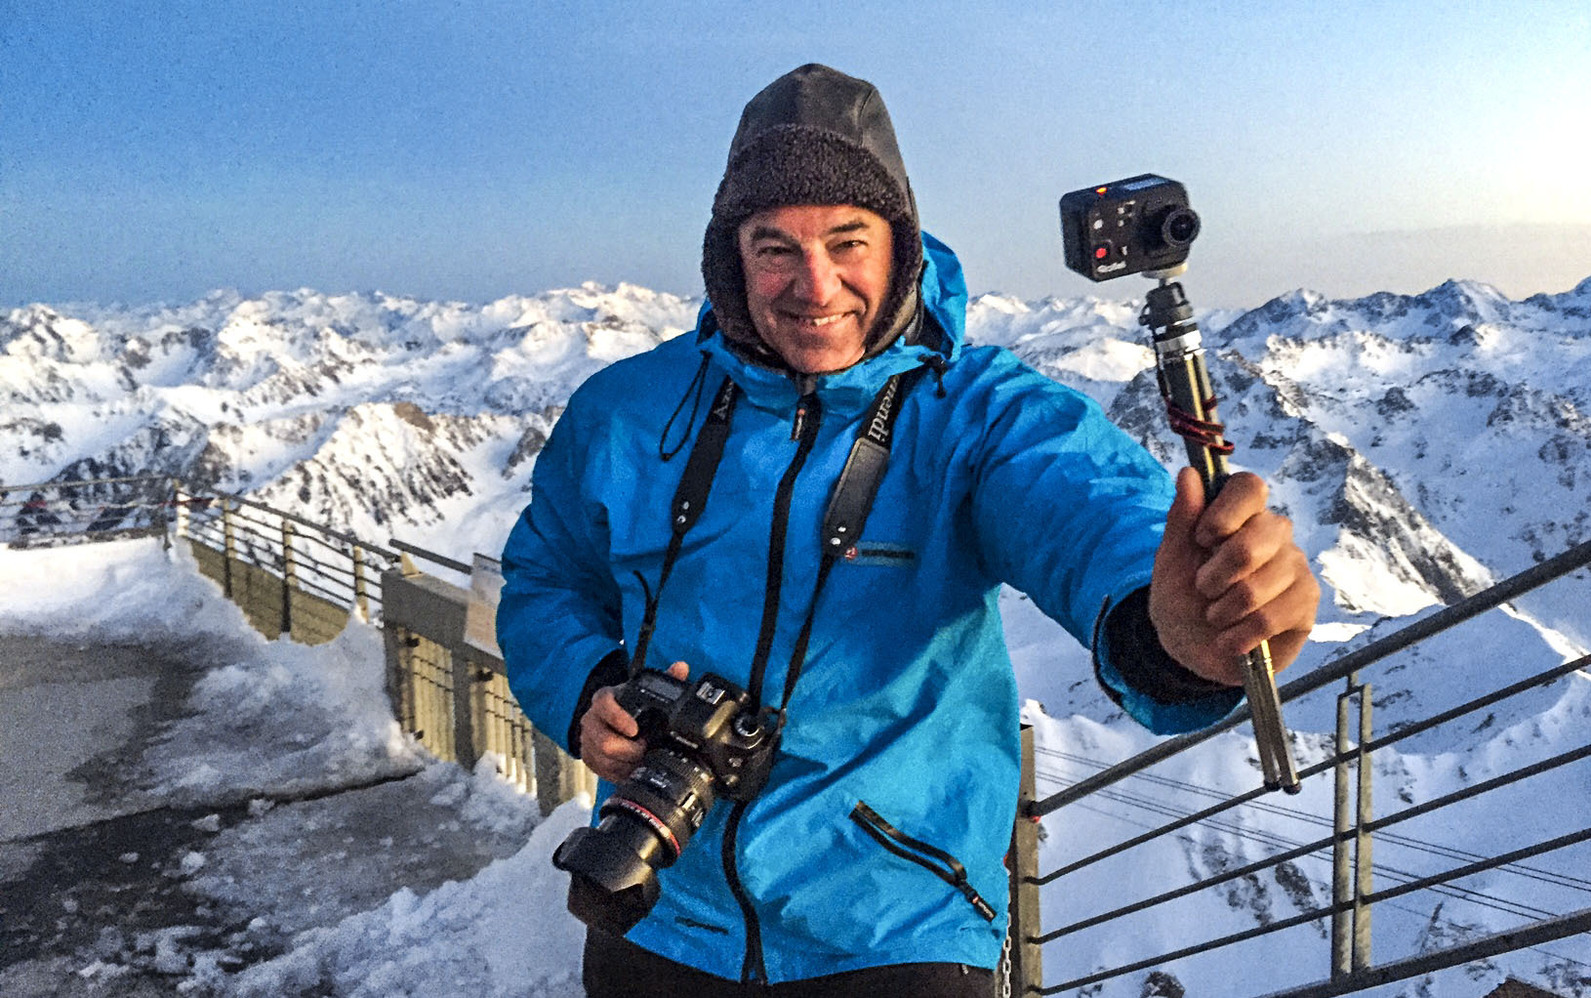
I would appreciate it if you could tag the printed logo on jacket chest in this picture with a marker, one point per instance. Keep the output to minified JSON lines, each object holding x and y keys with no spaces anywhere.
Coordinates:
{"x":874,"y":553}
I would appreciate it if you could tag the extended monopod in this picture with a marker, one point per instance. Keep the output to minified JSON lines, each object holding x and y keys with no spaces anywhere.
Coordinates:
{"x":1144,"y":225}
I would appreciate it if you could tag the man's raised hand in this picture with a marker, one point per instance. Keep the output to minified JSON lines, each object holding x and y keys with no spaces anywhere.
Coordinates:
{"x":1227,"y":576}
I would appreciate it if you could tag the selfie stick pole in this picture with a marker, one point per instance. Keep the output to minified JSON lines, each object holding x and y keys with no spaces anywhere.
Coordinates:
{"x":1185,"y":384}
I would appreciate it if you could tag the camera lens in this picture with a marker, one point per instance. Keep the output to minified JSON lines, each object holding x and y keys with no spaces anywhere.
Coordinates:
{"x":1179,"y":227}
{"x":645,"y":826}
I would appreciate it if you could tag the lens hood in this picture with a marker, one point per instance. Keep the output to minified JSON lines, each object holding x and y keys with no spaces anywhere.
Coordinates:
{"x":610,"y":886}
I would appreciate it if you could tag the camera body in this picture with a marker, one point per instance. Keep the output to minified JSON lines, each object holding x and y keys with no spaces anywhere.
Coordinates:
{"x":1127,"y":227}
{"x":705,"y":738}
{"x":710,"y":719}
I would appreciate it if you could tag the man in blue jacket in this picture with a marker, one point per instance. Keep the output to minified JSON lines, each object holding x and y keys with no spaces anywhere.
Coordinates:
{"x":834,"y":325}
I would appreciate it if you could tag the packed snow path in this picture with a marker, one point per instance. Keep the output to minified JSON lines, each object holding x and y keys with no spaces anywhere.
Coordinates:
{"x":188,"y":808}
{"x":97,"y":872}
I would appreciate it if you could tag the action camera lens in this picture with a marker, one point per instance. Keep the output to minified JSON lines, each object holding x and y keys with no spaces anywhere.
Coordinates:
{"x":1179,"y":227}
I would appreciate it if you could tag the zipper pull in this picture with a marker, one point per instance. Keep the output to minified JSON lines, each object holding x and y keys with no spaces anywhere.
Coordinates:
{"x":800,"y":426}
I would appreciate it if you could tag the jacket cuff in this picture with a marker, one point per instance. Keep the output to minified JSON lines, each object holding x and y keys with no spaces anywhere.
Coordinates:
{"x":611,"y":671}
{"x":1142,"y":662}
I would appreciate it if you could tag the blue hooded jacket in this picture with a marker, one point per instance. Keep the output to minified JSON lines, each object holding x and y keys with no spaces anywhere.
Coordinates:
{"x":906,"y":710}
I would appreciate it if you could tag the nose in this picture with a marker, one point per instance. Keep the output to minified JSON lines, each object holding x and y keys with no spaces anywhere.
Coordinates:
{"x":818,"y":279}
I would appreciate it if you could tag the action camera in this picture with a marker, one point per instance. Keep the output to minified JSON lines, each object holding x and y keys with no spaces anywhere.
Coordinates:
{"x":1133,"y":225}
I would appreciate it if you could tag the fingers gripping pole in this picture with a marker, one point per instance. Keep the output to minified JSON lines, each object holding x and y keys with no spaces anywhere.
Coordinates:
{"x":1190,"y":403}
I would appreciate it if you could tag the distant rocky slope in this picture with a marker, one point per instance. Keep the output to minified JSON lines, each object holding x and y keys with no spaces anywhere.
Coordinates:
{"x":1425,"y":445}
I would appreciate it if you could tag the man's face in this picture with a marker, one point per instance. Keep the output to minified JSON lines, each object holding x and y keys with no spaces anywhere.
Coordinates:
{"x":816,"y":278}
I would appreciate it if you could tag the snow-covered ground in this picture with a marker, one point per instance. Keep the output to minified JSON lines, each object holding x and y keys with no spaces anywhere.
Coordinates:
{"x":284,"y":836}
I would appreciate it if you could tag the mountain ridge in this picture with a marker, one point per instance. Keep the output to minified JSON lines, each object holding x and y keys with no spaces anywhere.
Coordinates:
{"x":1425,"y":445}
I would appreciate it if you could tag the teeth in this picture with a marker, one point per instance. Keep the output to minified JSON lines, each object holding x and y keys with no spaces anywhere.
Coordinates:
{"x":824,"y":320}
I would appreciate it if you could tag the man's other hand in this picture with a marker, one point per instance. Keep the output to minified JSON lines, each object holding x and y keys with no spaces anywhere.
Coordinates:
{"x":1228,"y":576}
{"x":609,"y":737}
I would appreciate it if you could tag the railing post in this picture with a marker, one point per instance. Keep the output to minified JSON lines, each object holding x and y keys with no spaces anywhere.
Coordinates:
{"x":1024,"y":957}
{"x":180,"y":500}
{"x":289,"y":575}
{"x":464,"y":748}
{"x":1363,"y":883}
{"x":1342,"y":880}
{"x":397,"y":679}
{"x":164,"y":502}
{"x":230,"y":548}
{"x":559,"y":776}
{"x":361,"y":590}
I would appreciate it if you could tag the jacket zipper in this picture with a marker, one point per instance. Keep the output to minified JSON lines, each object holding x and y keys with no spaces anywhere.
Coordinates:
{"x":936,"y":861}
{"x":808,"y":417}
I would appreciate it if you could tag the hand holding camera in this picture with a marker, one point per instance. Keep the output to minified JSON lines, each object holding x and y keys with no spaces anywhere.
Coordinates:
{"x":610,"y":739}
{"x":673,"y":747}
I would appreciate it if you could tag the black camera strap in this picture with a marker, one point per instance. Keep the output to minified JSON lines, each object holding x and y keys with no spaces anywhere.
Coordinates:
{"x":851,"y":502}
{"x":690,"y":498}
{"x":843,"y":520}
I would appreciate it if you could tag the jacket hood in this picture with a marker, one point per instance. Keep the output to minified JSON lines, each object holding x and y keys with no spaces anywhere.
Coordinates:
{"x":813,"y":136}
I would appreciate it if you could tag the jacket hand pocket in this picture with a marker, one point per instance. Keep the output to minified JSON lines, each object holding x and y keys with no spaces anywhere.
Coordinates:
{"x":936,"y":861}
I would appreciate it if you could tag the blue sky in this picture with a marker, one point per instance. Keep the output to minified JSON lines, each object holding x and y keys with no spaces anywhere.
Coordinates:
{"x":476,"y":148}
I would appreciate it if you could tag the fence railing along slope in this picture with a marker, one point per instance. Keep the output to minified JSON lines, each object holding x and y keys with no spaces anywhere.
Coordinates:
{"x":296,"y":577}
{"x":1354,"y":825}
{"x":445,"y":676}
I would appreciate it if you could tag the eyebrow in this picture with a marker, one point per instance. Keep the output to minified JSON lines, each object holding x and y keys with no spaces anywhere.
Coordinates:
{"x":769,"y":232}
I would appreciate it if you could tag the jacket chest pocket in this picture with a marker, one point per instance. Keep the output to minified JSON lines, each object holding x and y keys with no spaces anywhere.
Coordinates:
{"x":936,"y":861}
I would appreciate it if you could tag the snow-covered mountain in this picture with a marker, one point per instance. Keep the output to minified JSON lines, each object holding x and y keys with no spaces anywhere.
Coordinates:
{"x":1425,"y":446}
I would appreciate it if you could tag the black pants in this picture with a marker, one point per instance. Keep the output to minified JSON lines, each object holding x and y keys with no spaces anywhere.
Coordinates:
{"x":617,"y":968}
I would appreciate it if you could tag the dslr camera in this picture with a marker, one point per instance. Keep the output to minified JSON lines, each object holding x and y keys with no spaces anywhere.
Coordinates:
{"x":1141,"y":223}
{"x":705,"y":739}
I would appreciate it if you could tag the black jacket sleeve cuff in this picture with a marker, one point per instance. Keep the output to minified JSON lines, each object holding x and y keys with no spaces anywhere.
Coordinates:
{"x":1138,"y":656}
{"x":611,"y":671}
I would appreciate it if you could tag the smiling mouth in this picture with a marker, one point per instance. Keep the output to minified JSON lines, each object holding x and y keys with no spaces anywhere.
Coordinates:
{"x":816,"y":321}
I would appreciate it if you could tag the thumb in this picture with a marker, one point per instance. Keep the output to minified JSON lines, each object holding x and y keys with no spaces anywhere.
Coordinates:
{"x":679,"y":670}
{"x":1186,"y":508}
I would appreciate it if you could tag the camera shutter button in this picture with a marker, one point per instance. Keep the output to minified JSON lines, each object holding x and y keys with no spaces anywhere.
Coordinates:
{"x":748,"y":726}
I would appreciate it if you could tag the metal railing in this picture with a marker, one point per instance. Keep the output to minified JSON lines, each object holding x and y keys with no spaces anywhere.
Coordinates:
{"x":1353,"y":828}
{"x":46,"y":513}
{"x":284,"y":570}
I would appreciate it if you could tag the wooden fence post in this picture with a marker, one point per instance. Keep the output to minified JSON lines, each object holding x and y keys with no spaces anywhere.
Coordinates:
{"x":230,"y":545}
{"x":289,"y":576}
{"x":1024,"y":958}
{"x":361,"y":590}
